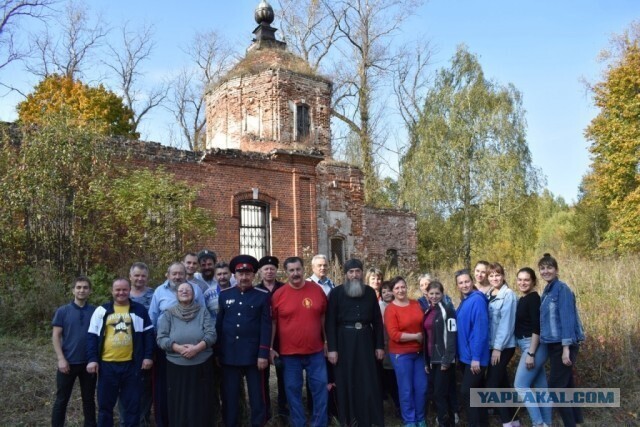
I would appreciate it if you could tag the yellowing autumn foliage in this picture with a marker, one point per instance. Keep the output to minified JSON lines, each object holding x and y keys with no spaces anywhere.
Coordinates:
{"x":614,"y":180}
{"x":82,"y":106}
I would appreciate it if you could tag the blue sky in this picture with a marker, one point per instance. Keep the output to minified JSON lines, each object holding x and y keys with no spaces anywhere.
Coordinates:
{"x":543,"y":47}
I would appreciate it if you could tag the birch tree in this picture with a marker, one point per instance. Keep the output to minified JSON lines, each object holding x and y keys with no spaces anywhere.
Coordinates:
{"x":470,"y":166}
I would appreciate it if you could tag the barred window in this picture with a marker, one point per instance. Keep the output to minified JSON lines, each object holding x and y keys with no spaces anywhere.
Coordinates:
{"x":303,"y":122}
{"x":255,"y":232}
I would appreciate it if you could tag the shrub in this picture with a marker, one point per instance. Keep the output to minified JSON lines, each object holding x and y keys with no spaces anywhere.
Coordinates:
{"x":28,"y":299}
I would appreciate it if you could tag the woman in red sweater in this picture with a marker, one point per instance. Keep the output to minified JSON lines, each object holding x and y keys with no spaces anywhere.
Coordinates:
{"x":403,"y":321}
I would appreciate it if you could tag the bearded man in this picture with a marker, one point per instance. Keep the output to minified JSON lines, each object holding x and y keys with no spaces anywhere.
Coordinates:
{"x":354,"y":329}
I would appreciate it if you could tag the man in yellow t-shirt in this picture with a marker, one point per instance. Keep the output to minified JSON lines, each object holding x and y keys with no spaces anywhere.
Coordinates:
{"x":119,"y":345}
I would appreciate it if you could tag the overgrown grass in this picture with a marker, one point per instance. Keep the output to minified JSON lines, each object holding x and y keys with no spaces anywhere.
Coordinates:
{"x":27,"y":383}
{"x":608,"y":297}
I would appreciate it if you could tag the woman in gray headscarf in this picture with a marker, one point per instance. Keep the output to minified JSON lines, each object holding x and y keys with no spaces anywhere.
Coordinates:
{"x":186,"y":334}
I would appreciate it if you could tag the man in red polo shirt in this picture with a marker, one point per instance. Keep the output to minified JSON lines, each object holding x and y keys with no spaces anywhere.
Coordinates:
{"x":298,"y":310}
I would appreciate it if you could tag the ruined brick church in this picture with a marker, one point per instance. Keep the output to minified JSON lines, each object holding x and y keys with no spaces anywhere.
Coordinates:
{"x":268,"y":175}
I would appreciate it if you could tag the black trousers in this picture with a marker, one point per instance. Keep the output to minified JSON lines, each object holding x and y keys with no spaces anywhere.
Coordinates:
{"x":476,"y":417}
{"x":231,"y":388}
{"x":452,"y":398}
{"x":64,"y":387}
{"x":498,"y":377}
{"x":561,"y":376}
{"x":444,"y":383}
{"x":160,"y":403}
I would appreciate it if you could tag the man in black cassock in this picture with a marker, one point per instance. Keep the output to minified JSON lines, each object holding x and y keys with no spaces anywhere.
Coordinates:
{"x":355,"y":340}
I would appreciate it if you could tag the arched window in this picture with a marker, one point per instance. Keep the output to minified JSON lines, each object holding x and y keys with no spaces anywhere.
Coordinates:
{"x":255,"y":232}
{"x":303,"y":121}
{"x":337,"y":249}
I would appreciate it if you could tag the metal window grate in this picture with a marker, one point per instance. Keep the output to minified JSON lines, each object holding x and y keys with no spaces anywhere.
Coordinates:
{"x":254,"y":229}
{"x":303,"y":123}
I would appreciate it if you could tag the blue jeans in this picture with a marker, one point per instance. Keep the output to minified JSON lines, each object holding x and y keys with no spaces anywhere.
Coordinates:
{"x":536,"y":378}
{"x":146,"y":400}
{"x":315,"y":366}
{"x":412,"y":385}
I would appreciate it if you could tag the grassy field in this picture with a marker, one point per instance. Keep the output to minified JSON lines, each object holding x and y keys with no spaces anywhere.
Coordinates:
{"x":608,"y":295}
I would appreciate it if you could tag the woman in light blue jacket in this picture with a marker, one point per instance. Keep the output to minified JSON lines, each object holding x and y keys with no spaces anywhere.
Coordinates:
{"x":502,"y":340}
{"x":561,"y":330}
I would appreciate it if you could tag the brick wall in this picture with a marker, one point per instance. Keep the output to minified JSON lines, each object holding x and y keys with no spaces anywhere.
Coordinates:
{"x":340,"y":204}
{"x":285,"y":180}
{"x":390,"y":229}
{"x":311,"y":201}
{"x":254,"y":107}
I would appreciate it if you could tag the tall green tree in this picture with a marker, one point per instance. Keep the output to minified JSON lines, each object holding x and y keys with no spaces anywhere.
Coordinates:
{"x":470,"y":165}
{"x":613,"y":184}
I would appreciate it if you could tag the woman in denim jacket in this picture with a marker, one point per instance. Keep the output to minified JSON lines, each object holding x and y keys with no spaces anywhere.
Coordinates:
{"x":561,"y":330}
{"x":502,"y":341}
{"x":534,"y":354}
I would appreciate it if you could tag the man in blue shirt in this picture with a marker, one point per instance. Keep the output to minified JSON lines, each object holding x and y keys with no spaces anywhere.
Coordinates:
{"x":164,"y":296}
{"x":70,"y":324}
{"x":320,"y":267}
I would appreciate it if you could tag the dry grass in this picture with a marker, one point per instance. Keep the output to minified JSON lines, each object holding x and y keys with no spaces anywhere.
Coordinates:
{"x":608,"y":297}
{"x":27,"y":384}
{"x":608,"y":294}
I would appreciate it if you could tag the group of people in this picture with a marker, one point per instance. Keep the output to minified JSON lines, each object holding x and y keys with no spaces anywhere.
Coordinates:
{"x":187,"y":346}
{"x":491,"y":321}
